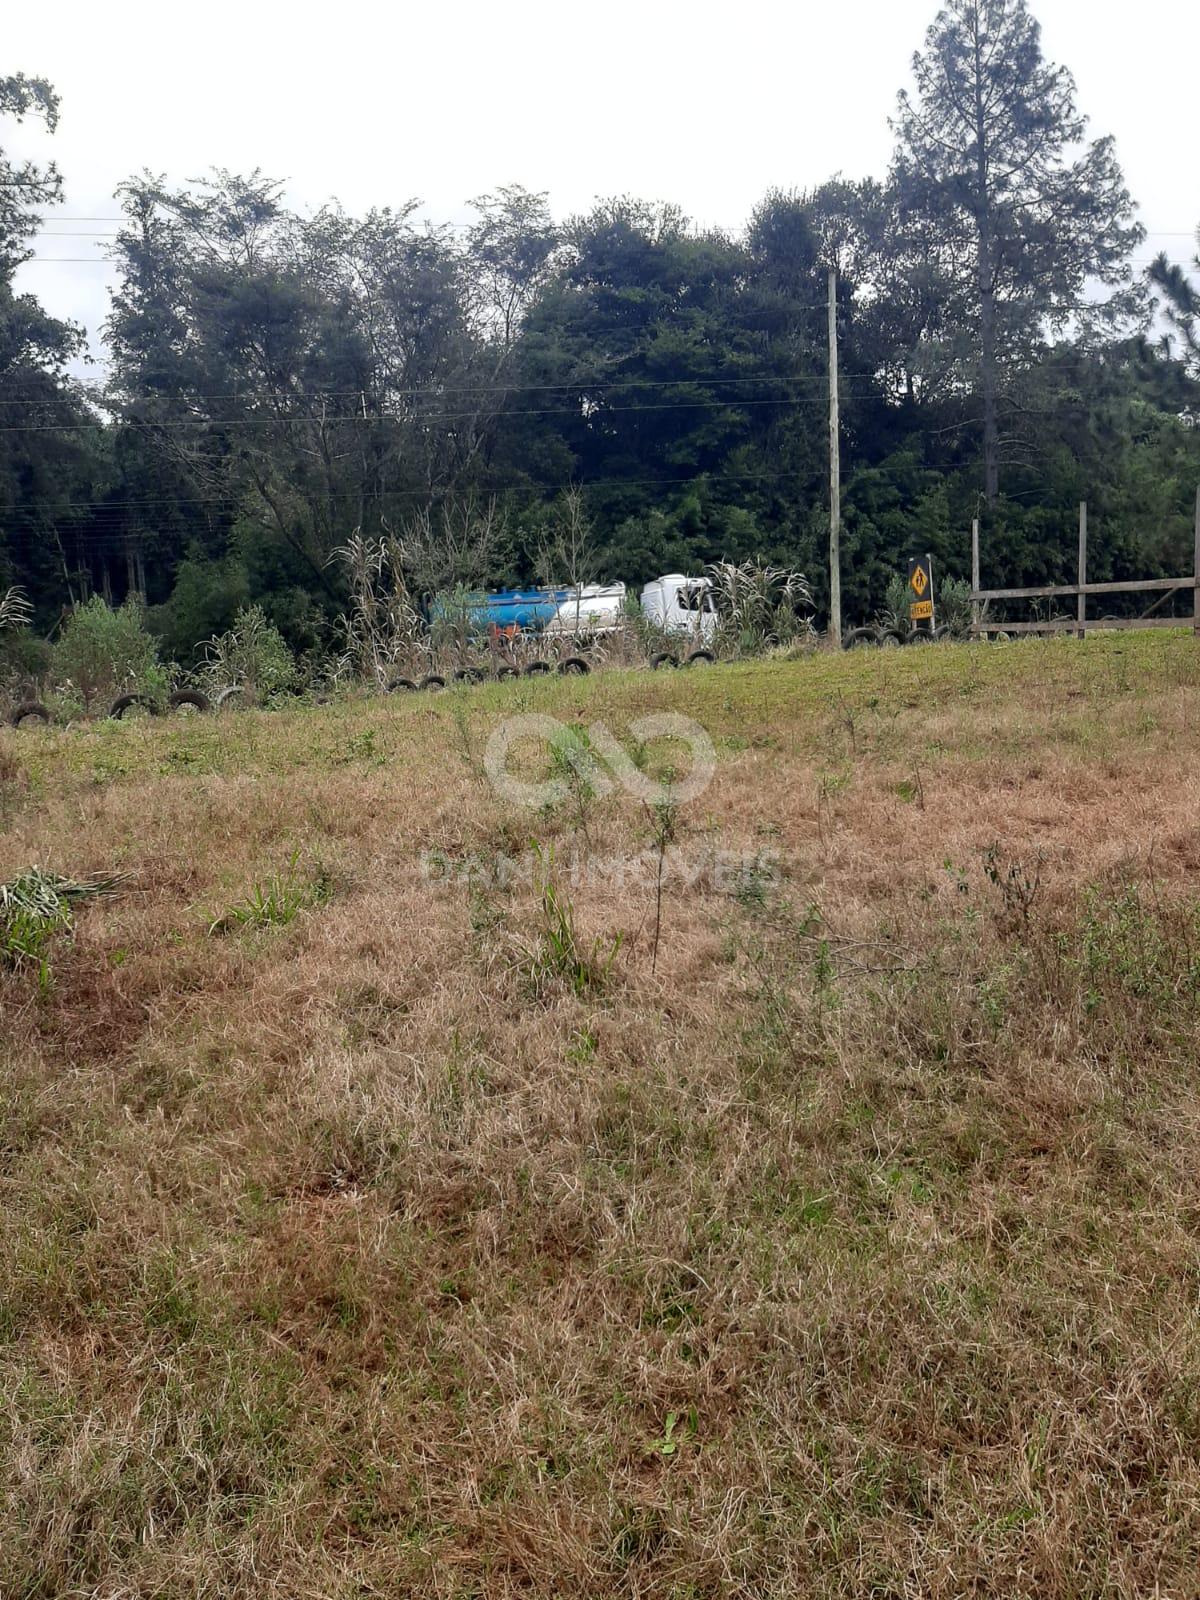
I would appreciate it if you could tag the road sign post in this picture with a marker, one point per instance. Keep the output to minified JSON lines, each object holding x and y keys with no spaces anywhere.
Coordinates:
{"x":920,"y":586}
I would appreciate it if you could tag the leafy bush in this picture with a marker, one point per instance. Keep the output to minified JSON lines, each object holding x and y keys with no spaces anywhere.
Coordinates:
{"x":103,"y":653}
{"x":954,"y":607}
{"x":253,"y":654}
{"x":205,"y":600}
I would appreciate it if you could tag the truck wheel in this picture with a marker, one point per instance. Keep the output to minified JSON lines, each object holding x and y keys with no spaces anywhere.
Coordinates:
{"x":859,"y":638}
{"x":128,"y":702}
{"x":574,"y":666}
{"x":661,"y":661}
{"x":31,"y":711}
{"x":433,"y":681}
{"x":700,"y":658}
{"x":398,"y":685}
{"x":191,"y":698}
{"x":537,"y":669}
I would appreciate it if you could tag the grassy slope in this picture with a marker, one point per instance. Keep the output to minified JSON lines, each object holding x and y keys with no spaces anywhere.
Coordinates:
{"x":364,"y":1253}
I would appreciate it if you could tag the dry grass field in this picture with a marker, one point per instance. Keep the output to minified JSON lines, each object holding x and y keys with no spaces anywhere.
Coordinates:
{"x":378,"y":1223}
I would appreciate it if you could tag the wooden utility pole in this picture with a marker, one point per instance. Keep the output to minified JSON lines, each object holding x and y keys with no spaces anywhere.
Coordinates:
{"x":835,"y":474}
{"x":975,"y":608}
{"x":1196,"y":573}
{"x":1081,"y":611}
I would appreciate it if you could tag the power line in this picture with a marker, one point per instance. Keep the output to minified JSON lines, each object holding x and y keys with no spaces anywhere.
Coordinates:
{"x":492,"y":390}
{"x":218,"y":423}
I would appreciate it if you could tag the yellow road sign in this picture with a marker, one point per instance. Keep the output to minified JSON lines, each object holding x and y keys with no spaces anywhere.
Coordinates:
{"x":919,"y":579}
{"x":921,"y":611}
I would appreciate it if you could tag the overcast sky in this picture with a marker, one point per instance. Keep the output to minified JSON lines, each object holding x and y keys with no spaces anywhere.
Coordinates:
{"x":707,"y":105}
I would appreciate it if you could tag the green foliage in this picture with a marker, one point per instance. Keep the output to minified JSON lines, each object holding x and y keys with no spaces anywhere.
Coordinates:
{"x":38,"y":907}
{"x":254,"y":655}
{"x":104,"y":652}
{"x":204,"y":602}
{"x":757,"y":605}
{"x":560,"y":954}
{"x":993,"y":170}
{"x":274,"y":903}
{"x":954,"y":611}
{"x":1181,"y":304}
{"x":633,"y":394}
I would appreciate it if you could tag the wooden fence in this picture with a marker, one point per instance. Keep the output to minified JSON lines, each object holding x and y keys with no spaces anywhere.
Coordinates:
{"x":1081,"y":625}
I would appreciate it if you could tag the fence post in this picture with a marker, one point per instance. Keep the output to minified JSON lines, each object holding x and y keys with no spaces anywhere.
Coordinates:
{"x":1196,"y":573}
{"x":975,"y":610}
{"x":1082,"y":609}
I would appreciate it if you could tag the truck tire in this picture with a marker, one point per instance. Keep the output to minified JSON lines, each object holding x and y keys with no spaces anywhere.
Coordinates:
{"x":433,"y":681}
{"x":858,"y":638}
{"x":537,"y":669}
{"x":920,"y":636}
{"x":190,"y":697}
{"x":574,"y":666}
{"x":233,"y":691}
{"x":31,"y":711}
{"x":127,"y":702}
{"x":401,"y":685}
{"x":506,"y":672}
{"x":701,"y":658}
{"x":666,"y":659}
{"x":890,"y":639}
{"x":468,"y":675}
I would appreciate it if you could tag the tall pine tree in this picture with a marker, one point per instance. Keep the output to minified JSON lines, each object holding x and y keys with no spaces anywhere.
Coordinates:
{"x":1181,"y":306}
{"x":992,"y":150}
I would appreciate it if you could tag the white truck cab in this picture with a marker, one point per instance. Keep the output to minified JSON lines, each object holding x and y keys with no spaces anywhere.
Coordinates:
{"x":682,"y":606}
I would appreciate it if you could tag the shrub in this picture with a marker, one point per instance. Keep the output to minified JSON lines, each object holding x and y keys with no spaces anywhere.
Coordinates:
{"x":205,"y":600}
{"x":103,"y":652}
{"x":253,"y":654}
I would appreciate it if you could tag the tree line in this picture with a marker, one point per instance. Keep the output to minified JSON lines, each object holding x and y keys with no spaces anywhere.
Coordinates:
{"x":624,"y":393}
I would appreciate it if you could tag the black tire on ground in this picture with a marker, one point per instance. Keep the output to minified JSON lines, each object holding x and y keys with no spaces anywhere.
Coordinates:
{"x":432,"y":681}
{"x":701,"y":658}
{"x":127,"y":702}
{"x":921,"y":636}
{"x":234,"y":691}
{"x":537,"y":669}
{"x":468,"y":675}
{"x":401,"y":686}
{"x":574,"y":666}
{"x":189,"y":697}
{"x":506,"y":672}
{"x":30,"y":711}
{"x":664,"y":660}
{"x":857,"y":638}
{"x":890,"y":638}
